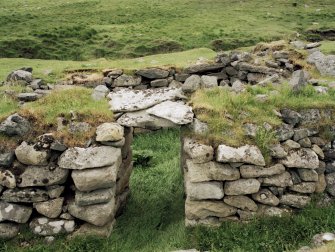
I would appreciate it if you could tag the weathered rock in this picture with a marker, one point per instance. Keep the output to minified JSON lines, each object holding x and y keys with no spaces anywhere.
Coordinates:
{"x":191,"y":84}
{"x":313,"y":116}
{"x":285,"y":132}
{"x":117,"y":144}
{"x":264,"y":210}
{"x":27,"y":97}
{"x":100,"y":92}
{"x":92,"y":157}
{"x":46,"y":227}
{"x":42,"y":176}
{"x":94,"y":197}
{"x":319,"y":240}
{"x":20,"y":75}
{"x":290,"y":145}
{"x":246,"y":154}
{"x":280,"y":180}
{"x":277,"y":151}
{"x":181,"y":77}
{"x":127,"y":81}
{"x":79,"y":127}
{"x":238,"y":86}
{"x":300,"y":134}
{"x":241,"y":187}
{"x":142,"y":119}
{"x":27,"y":154}
{"x":303,"y":158}
{"x":294,"y":200}
{"x":295,"y":177}
{"x":241,"y":202}
{"x":324,"y":64}
{"x":204,"y":190}
{"x":91,"y":230}
{"x":251,"y":171}
{"x":321,"y":184}
{"x":250,"y":129}
{"x":318,"y":151}
{"x":55,"y":191}
{"x":98,"y":215}
{"x":308,"y":175}
{"x":6,"y":159}
{"x":200,"y":68}
{"x":176,"y":112}
{"x":330,"y":179}
{"x":246,"y":215}
{"x":299,"y":80}
{"x":209,"y":81}
{"x":25,"y":195}
{"x":291,"y":117}
{"x":198,"y":127}
{"x":7,"y":179}
{"x":204,"y":209}
{"x":98,"y":178}
{"x":109,"y":132}
{"x":243,"y":66}
{"x":8,"y":230}
{"x":14,"y":212}
{"x":211,"y":171}
{"x":15,"y":125}
{"x":266,"y":197}
{"x":159,"y":83}
{"x":125,"y":100}
{"x":199,"y":153}
{"x":51,"y":208}
{"x":304,"y":187}
{"x":305,"y":142}
{"x":153,"y":73}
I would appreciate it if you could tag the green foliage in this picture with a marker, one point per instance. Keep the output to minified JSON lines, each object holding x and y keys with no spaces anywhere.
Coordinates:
{"x":264,"y":138}
{"x":85,"y":29}
{"x":142,"y":158}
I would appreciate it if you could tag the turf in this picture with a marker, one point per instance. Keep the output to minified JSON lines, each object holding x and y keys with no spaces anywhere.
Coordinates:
{"x":86,"y":29}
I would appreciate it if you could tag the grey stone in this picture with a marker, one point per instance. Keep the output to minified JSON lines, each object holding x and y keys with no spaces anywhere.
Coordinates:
{"x":308,"y":175}
{"x":254,"y":78}
{"x":159,"y":83}
{"x":14,"y":212}
{"x":266,"y":197}
{"x":293,"y":200}
{"x":51,"y":208}
{"x":238,"y":86}
{"x":127,"y":81}
{"x":250,"y":171}
{"x":94,"y":197}
{"x":191,"y":84}
{"x":176,"y":112}
{"x":198,"y":126}
{"x":285,"y":132}
{"x":46,"y":227}
{"x":25,"y":195}
{"x":241,"y":202}
{"x":264,"y":210}
{"x":27,"y":97}
{"x":117,"y":144}
{"x":208,"y":81}
{"x":27,"y":154}
{"x":246,"y":154}
{"x":98,"y":215}
{"x":280,"y":180}
{"x":7,"y":179}
{"x":83,"y":158}
{"x":300,"y":134}
{"x":6,"y":159}
{"x":277,"y":151}
{"x":20,"y":75}
{"x":321,"y":184}
{"x":250,"y":129}
{"x":295,"y":177}
{"x":204,"y":190}
{"x":302,"y":158}
{"x":79,"y":127}
{"x":42,"y":176}
{"x":291,"y":117}
{"x":304,"y":187}
{"x":211,"y":171}
{"x":246,"y":215}
{"x":200,"y":68}
{"x":181,"y":77}
{"x":55,"y":191}
{"x":241,"y":187}
{"x":291,"y":145}
{"x":305,"y":142}
{"x":204,"y":209}
{"x":109,"y":132}
{"x":57,"y":146}
{"x":15,"y":125}
{"x":199,"y":153}
{"x":231,"y":71}
{"x":299,"y":80}
{"x":256,"y":69}
{"x":330,"y":180}
{"x":91,"y":230}
{"x":125,"y":100}
{"x":312,"y":116}
{"x":175,"y":84}
{"x":298,"y":44}
{"x":153,"y":73}
{"x":100,"y":92}
{"x":8,"y":230}
{"x":318,"y":151}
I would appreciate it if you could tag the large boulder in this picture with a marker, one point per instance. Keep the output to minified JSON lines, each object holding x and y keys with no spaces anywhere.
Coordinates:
{"x":246,"y":154}
{"x":242,"y":187}
{"x":153,"y":73}
{"x":15,"y":125}
{"x":125,"y":100}
{"x":42,"y":176}
{"x":14,"y":212}
{"x":30,"y":155}
{"x":83,"y":158}
{"x":176,"y":112}
{"x":302,"y":158}
{"x":204,"y":209}
{"x":48,"y":227}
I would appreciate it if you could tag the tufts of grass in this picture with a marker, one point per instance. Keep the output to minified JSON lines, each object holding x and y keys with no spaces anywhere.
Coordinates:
{"x":227,"y":112}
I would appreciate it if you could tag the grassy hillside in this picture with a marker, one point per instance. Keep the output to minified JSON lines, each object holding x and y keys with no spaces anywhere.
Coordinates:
{"x":85,"y":29}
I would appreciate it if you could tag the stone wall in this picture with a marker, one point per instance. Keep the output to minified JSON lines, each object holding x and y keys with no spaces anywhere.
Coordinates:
{"x":235,"y":183}
{"x":57,"y":190}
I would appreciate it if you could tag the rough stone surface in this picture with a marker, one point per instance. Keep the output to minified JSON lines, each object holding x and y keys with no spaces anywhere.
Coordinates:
{"x":241,"y":202}
{"x":304,"y":187}
{"x":25,"y":195}
{"x":8,"y":230}
{"x":204,"y":190}
{"x":94,"y":197}
{"x":91,"y":230}
{"x":6,"y":159}
{"x":98,"y":215}
{"x":7,"y":179}
{"x":20,"y":75}
{"x":82,"y":158}
{"x":330,"y":179}
{"x":15,"y":125}
{"x":14,"y":212}
{"x":281,"y":180}
{"x":27,"y":154}
{"x":176,"y":112}
{"x":251,"y":171}
{"x":245,"y":154}
{"x":303,"y":158}
{"x":266,"y":197}
{"x":46,"y":227}
{"x":290,"y":116}
{"x":42,"y":176}
{"x":209,"y":81}
{"x":298,"y":80}
{"x":100,"y":92}
{"x":325,"y":64}
{"x":321,"y":184}
{"x":241,"y":187}
{"x":211,"y":171}
{"x":198,"y":127}
{"x":109,"y":132}
{"x":204,"y":209}
{"x":308,"y":175}
{"x":51,"y":208}
{"x":294,"y":200}
{"x":125,"y":100}
{"x":277,"y":151}
{"x":199,"y":153}
{"x":191,"y":84}
{"x":153,"y":73}
{"x":127,"y":81}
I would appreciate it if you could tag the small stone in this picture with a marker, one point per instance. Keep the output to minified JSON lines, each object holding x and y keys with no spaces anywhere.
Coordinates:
{"x":153,"y":73}
{"x":191,"y":84}
{"x":241,"y":187}
{"x":305,"y":142}
{"x":330,"y":179}
{"x":94,"y":197}
{"x":318,"y":151}
{"x":55,"y":191}
{"x":159,"y":83}
{"x":266,"y":197}
{"x":285,"y":132}
{"x":280,"y":180}
{"x":204,"y":190}
{"x":300,"y":134}
{"x":15,"y":125}
{"x":109,"y":132}
{"x":8,"y":231}
{"x":238,"y":87}
{"x":291,"y":145}
{"x":198,"y":127}
{"x":291,"y":117}
{"x":51,"y":208}
{"x":294,"y":200}
{"x":250,"y":171}
{"x":199,"y":153}
{"x":7,"y":159}
{"x":127,"y":81}
{"x":27,"y":97}
{"x":100,"y":92}
{"x":7,"y":179}
{"x":25,"y":195}
{"x":321,"y":184}
{"x":308,"y":175}
{"x":277,"y":151}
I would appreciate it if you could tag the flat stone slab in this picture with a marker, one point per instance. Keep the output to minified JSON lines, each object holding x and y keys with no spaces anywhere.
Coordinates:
{"x":25,"y":195}
{"x":242,"y":187}
{"x":177,"y":112}
{"x":126,"y":100}
{"x":14,"y":212}
{"x":204,"y":190}
{"x":83,"y":158}
{"x":303,"y":158}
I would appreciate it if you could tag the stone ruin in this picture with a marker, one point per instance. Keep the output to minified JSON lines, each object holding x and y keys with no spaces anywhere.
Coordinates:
{"x":56,"y":189}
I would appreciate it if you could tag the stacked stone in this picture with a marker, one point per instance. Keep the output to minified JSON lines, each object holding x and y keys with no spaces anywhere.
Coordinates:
{"x":64,"y":190}
{"x":226,"y":183}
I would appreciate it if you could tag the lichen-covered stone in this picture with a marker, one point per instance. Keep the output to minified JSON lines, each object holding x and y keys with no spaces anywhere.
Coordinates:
{"x":302,"y":158}
{"x":266,"y":197}
{"x":242,"y":187}
{"x":308,"y":175}
{"x":109,"y":132}
{"x":204,"y":190}
{"x":8,"y":230}
{"x":14,"y":212}
{"x":330,"y":179}
{"x":199,"y":153}
{"x":294,"y":200}
{"x":241,"y":202}
{"x":280,"y":180}
{"x":303,"y":187}
{"x":25,"y":195}
{"x":27,"y":154}
{"x":94,"y":197}
{"x":51,"y":208}
{"x":7,"y":179}
{"x":47,"y":227}
{"x":251,"y":171}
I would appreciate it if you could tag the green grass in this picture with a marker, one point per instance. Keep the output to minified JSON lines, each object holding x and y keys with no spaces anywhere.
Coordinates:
{"x":154,"y":217}
{"x":179,"y":60}
{"x":86,"y":29}
{"x":226,"y":112}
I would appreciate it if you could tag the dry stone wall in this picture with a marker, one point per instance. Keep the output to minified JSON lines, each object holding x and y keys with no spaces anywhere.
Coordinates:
{"x":224,"y":183}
